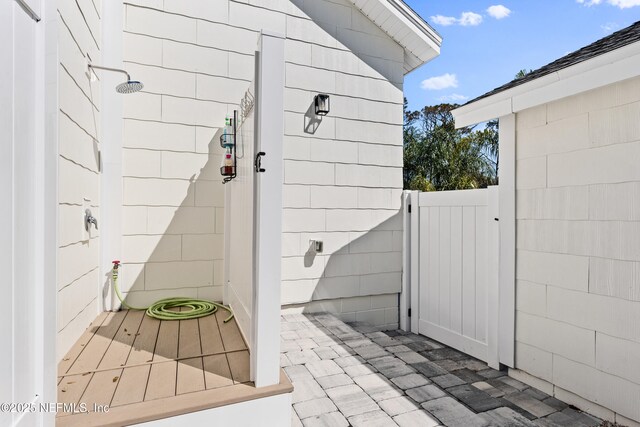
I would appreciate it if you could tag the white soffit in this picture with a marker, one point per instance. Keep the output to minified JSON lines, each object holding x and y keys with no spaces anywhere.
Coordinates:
{"x":608,"y":68}
{"x":421,"y":43}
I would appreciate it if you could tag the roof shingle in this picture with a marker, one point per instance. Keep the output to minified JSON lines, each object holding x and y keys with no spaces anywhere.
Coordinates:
{"x":612,"y":42}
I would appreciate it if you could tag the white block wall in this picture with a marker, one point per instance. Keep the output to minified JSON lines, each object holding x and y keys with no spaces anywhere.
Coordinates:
{"x":578,"y":248}
{"x":342,"y":183}
{"x":79,"y":179}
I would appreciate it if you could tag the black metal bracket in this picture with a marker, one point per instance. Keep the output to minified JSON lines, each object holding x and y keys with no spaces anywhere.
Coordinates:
{"x":258,"y":162}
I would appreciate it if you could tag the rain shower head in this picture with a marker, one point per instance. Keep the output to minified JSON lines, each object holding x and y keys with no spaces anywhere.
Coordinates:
{"x":130,"y":86}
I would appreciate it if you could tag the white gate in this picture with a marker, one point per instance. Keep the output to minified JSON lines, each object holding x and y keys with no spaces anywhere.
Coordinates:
{"x":454,"y":269}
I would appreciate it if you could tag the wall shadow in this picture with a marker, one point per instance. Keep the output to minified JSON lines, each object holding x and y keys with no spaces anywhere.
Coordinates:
{"x":331,"y":285}
{"x":368,"y":265}
{"x":311,"y":120}
{"x":184,"y":222}
{"x":204,"y":192}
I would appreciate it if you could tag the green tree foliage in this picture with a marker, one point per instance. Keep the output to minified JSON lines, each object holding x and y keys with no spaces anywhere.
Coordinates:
{"x":437,"y":156}
{"x":520,"y":74}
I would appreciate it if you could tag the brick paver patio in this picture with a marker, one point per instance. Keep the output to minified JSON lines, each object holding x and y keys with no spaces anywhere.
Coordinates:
{"x":354,"y":375}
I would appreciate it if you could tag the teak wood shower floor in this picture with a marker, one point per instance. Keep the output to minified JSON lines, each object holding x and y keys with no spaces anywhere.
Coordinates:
{"x":144,"y":369}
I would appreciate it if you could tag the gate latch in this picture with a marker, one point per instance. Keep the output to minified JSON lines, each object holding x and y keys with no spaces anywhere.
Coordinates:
{"x":258,"y":161}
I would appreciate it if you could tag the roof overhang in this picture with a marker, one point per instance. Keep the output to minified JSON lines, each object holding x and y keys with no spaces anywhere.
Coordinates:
{"x":608,"y":68}
{"x":421,"y":43}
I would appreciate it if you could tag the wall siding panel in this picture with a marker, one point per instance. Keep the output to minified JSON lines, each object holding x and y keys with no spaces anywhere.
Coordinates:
{"x":578,"y":256}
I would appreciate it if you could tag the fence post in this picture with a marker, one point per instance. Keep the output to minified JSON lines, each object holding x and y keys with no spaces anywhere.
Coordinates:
{"x":415,"y":260}
{"x":405,"y":295}
{"x":493,"y":258}
{"x":507,"y":271}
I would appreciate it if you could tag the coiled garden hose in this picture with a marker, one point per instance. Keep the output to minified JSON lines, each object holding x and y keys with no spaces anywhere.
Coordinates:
{"x":162,"y":309}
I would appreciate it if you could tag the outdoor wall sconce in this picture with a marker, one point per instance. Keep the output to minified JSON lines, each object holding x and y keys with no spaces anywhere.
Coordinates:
{"x":316,"y":246}
{"x":322,"y":104}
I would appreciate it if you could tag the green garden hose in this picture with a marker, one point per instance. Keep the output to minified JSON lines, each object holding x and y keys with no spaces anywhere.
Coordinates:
{"x":162,"y":309}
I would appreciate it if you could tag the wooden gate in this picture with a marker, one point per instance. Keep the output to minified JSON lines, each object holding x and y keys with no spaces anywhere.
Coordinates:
{"x":454,"y":269}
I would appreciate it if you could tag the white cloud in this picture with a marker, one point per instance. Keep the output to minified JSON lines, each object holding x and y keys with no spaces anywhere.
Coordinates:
{"x":445,"y":21}
{"x":609,"y":27}
{"x":622,"y":4}
{"x":470,"y":19}
{"x":440,"y":82}
{"x":589,"y":2}
{"x":454,"y":97}
{"x":466,"y":19}
{"x":499,"y":11}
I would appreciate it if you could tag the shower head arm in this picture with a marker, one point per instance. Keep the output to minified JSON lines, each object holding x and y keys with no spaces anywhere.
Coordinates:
{"x":117,"y":70}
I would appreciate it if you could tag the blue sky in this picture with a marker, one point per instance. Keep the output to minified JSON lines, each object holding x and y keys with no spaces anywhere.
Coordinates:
{"x":487,"y":42}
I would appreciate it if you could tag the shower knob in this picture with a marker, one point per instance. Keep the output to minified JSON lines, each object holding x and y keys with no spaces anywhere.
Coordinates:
{"x":89,"y":219}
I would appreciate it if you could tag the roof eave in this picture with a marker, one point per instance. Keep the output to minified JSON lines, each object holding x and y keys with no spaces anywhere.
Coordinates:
{"x":603,"y":70}
{"x":425,"y":41}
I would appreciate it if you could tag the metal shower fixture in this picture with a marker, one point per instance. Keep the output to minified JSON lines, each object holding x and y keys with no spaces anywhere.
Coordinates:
{"x":130,"y":86}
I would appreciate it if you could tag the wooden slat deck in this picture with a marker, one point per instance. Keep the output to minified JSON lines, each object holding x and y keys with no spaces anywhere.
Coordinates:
{"x":145,"y":369}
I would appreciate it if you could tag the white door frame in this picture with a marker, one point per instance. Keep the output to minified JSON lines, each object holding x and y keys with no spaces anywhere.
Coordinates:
{"x":40,"y":211}
{"x":265,"y":336}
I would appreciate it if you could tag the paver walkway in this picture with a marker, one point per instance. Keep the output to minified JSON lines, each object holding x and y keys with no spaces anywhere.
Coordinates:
{"x":354,"y":375}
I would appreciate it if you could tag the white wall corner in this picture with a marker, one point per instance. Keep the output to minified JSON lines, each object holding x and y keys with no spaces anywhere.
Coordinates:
{"x":110,"y":216}
{"x":507,"y":224}
{"x":265,"y":354}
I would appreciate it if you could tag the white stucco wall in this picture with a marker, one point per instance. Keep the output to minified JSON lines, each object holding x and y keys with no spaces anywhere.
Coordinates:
{"x":578,"y":248}
{"x":342,"y":183}
{"x":79,"y":37}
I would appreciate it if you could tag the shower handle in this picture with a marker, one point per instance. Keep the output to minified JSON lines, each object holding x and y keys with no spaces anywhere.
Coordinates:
{"x":89,"y":219}
{"x":258,"y":162}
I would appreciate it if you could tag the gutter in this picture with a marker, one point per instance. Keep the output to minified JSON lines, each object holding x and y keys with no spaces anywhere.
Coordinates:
{"x":417,"y":20}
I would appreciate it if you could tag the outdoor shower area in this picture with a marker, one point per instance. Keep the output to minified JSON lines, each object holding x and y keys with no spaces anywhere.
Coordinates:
{"x":133,"y":366}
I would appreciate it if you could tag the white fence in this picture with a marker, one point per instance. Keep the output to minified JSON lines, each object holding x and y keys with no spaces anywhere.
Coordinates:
{"x":454,"y":259}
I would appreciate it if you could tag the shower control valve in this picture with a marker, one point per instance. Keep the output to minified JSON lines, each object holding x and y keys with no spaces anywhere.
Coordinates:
{"x":89,"y":219}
